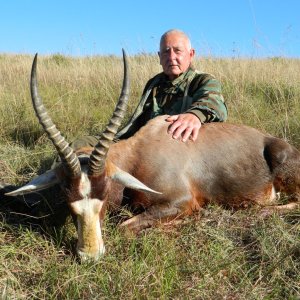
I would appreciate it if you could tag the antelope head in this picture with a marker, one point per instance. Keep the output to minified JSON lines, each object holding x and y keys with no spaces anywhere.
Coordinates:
{"x":86,"y":178}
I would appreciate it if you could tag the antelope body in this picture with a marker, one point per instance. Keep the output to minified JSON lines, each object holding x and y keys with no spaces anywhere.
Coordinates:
{"x":233,"y":165}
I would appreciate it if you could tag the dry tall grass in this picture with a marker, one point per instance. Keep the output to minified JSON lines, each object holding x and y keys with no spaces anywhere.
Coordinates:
{"x":217,"y":254}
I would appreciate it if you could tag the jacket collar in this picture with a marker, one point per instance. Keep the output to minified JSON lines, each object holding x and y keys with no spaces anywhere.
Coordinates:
{"x":179,"y":83}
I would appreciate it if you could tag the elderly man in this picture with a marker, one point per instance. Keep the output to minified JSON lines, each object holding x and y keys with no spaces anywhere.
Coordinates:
{"x":188,"y":96}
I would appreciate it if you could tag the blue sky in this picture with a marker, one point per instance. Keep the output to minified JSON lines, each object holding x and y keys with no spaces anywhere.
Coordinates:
{"x":253,"y":28}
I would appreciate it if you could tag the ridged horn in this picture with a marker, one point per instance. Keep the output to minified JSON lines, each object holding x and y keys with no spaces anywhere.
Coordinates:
{"x":69,"y":159}
{"x":98,"y":156}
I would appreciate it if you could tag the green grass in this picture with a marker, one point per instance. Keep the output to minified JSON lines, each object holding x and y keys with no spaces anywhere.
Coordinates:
{"x":223,"y":253}
{"x":216,"y":254}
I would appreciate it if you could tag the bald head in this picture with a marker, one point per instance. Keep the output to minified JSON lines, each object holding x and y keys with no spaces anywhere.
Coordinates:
{"x":176,"y":53}
{"x":178,"y":33}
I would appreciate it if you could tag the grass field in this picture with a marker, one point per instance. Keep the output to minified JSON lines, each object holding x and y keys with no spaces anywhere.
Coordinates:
{"x":216,"y":254}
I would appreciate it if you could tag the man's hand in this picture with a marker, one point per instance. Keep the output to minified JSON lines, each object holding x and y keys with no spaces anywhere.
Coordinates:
{"x":184,"y":125}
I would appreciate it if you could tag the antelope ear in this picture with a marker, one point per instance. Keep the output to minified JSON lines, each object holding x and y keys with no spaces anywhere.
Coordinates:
{"x":39,"y":183}
{"x":128,"y":180}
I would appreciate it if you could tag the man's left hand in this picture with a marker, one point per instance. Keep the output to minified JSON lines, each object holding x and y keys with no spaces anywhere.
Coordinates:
{"x":185,"y":126}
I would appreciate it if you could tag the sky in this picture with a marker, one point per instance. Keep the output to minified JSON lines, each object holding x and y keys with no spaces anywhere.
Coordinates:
{"x":228,"y":28}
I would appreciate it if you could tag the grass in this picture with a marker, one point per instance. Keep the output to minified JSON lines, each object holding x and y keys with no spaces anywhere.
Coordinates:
{"x":216,"y":254}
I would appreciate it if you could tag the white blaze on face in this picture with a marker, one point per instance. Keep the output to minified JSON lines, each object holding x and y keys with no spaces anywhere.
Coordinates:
{"x":90,"y":243}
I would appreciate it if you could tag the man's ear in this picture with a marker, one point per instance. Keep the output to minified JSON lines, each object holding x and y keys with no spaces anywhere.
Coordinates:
{"x":158,"y":53}
{"x":192,"y":53}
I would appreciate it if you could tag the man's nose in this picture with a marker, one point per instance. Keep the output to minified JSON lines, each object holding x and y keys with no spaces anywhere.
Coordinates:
{"x":172,"y":54}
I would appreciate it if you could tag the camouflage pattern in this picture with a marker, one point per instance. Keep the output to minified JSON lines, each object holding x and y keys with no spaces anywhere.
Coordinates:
{"x":193,"y":92}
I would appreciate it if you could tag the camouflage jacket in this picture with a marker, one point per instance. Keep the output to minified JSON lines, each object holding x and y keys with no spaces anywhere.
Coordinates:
{"x":192,"y":92}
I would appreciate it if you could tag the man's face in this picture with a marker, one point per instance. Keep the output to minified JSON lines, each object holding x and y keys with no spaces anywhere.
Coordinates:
{"x":175,"y":55}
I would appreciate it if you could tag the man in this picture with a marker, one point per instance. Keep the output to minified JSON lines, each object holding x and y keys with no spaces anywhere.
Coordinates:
{"x":188,"y":96}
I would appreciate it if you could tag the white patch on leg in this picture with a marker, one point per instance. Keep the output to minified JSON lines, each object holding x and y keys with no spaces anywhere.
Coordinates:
{"x":274,"y":196}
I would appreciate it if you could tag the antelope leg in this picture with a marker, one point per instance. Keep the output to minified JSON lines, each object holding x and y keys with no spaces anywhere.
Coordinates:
{"x":151,"y":217}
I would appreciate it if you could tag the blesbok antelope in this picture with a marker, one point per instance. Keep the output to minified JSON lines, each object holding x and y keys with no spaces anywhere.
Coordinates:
{"x":233,"y":165}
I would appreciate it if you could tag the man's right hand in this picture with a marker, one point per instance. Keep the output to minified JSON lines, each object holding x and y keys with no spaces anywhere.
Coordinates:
{"x":185,"y":126}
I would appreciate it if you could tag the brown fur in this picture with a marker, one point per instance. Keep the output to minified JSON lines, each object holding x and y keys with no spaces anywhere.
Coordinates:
{"x":232,"y":165}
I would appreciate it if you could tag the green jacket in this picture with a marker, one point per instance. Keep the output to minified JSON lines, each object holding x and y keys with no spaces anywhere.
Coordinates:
{"x":194,"y":92}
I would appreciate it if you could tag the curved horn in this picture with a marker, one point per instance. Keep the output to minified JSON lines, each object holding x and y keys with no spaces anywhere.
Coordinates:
{"x":98,"y":156}
{"x":69,"y":158}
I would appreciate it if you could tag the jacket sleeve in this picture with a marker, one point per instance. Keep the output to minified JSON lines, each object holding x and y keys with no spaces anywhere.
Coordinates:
{"x":207,"y":99}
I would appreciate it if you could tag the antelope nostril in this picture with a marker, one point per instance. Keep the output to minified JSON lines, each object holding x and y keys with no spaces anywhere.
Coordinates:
{"x":86,"y":256}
